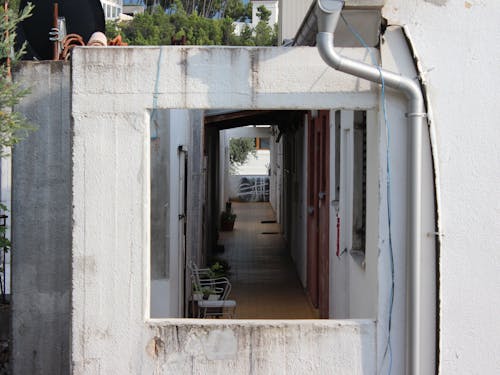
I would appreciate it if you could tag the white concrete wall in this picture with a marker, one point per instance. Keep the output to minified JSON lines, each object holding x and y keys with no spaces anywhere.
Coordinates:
{"x":453,"y":40}
{"x":111,"y":330}
{"x":166,"y":296}
{"x":353,"y":280}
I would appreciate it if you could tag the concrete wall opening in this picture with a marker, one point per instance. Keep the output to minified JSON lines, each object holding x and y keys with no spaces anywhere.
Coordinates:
{"x":282,"y":257}
{"x":111,"y":198}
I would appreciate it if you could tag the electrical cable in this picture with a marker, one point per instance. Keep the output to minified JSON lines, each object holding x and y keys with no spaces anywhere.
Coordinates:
{"x":388,"y":348}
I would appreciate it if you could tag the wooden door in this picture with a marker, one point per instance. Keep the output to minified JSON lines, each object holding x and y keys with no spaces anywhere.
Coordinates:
{"x":318,"y":187}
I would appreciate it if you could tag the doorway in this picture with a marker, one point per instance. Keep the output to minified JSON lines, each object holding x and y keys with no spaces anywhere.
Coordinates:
{"x":274,"y":230}
{"x":318,"y":188}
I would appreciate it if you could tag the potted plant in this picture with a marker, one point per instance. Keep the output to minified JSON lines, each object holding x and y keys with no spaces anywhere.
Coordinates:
{"x":218,"y":267}
{"x":210,"y":294}
{"x":227,"y":218}
{"x":197,"y":294}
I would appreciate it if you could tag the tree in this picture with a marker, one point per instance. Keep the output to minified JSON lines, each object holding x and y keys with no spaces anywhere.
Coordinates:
{"x":263,"y":13}
{"x":13,"y":126}
{"x":236,"y":10}
{"x":265,"y":35}
{"x":239,"y":151}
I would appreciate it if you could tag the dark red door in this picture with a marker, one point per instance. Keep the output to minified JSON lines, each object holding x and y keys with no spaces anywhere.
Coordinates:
{"x":318,"y":211}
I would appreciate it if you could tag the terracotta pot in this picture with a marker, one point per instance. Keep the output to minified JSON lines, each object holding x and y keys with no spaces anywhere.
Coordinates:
{"x":226,"y":226}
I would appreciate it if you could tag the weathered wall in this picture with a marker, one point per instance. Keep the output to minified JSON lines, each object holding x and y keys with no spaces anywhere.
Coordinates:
{"x":262,"y":347}
{"x":111,"y":198}
{"x":453,"y":40}
{"x":41,"y":225}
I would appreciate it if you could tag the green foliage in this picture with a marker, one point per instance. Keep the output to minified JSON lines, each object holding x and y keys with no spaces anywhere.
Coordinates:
{"x":263,"y":34}
{"x":236,"y":10}
{"x":246,"y":38}
{"x":159,"y":27}
{"x":263,"y":13}
{"x":240,"y":149}
{"x":13,"y":126}
{"x":219,"y":267}
{"x":14,"y":5}
{"x":4,"y":241}
{"x":113,"y":29}
{"x":227,"y":217}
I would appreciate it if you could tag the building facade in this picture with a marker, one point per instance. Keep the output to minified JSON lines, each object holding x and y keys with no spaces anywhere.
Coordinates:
{"x":104,"y":301}
{"x":112,"y":8}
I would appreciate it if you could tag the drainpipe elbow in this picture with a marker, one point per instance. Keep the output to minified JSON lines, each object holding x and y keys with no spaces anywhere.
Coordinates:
{"x":413,"y":92}
{"x":324,"y":42}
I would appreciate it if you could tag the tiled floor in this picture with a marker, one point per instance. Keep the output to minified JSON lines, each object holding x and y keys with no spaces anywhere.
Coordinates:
{"x":265,"y":283}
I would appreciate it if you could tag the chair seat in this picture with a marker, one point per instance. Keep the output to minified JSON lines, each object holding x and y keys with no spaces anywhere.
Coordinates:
{"x":218,"y":303}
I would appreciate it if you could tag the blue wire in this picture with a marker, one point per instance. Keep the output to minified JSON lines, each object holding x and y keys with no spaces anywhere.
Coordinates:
{"x":388,"y":348}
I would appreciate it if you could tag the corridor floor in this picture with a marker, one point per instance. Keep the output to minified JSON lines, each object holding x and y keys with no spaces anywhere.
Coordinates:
{"x":264,"y":279}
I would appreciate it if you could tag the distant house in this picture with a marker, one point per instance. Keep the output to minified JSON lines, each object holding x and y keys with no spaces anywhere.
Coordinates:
{"x":132,"y":10}
{"x":112,"y":8}
{"x":271,"y":5}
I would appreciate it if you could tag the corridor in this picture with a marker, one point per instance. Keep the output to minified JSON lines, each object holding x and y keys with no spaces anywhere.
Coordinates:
{"x":264,"y":279}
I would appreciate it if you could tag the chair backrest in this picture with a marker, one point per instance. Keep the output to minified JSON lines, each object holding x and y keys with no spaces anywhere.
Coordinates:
{"x":202,"y":278}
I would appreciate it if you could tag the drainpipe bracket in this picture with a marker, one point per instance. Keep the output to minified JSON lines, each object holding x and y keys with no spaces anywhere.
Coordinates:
{"x":416,"y":114}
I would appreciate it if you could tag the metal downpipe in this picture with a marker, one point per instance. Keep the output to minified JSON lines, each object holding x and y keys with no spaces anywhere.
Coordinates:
{"x":328,"y":12}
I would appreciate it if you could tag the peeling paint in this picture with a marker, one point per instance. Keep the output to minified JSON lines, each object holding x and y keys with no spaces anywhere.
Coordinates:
{"x":154,"y":347}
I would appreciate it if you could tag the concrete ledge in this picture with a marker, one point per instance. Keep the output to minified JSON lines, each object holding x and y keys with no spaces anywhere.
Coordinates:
{"x":190,"y":346}
{"x":364,"y":4}
{"x":123,"y":80}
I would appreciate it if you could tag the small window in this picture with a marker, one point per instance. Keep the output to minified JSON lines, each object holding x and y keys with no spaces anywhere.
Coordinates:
{"x":262,"y":143}
{"x":359,"y":183}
